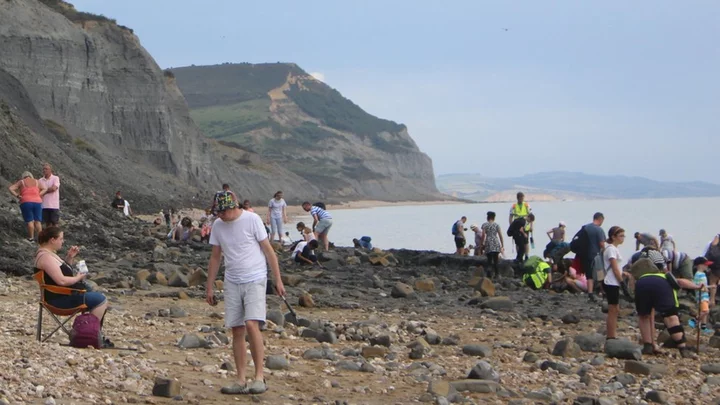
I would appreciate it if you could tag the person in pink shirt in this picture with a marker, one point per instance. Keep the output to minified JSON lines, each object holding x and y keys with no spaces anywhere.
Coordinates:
{"x":51,"y":198}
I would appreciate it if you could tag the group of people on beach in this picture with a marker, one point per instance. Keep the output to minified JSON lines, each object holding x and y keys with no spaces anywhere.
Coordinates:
{"x":656,"y":272}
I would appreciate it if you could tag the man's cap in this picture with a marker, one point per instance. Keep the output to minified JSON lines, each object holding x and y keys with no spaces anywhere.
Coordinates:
{"x":562,"y":223}
{"x":473,"y":226}
{"x":702,"y":260}
{"x":662,"y":232}
{"x":225,"y":201}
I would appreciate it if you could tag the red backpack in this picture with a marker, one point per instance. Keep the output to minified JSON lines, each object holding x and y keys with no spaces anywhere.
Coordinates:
{"x":86,"y":332}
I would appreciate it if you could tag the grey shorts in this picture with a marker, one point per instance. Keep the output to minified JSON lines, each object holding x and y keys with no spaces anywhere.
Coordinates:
{"x":244,"y":302}
{"x":323,"y":226}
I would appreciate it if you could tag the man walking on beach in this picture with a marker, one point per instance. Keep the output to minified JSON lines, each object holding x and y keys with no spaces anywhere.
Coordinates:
{"x":241,"y":238}
{"x":51,"y":198}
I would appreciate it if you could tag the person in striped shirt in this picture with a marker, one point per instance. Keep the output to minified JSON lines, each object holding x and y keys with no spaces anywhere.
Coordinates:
{"x":322,"y":222}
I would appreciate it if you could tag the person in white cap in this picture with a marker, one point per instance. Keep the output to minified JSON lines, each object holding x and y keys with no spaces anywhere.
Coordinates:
{"x":557,"y":234}
{"x":478,"y":239}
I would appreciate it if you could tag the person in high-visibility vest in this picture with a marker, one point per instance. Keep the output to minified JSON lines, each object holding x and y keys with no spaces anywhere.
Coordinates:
{"x":521,"y":209}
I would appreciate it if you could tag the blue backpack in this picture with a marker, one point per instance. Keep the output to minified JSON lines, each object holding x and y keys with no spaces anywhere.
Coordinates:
{"x":454,"y":228}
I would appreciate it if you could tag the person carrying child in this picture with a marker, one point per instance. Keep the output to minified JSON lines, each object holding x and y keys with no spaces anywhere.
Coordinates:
{"x":701,"y":267}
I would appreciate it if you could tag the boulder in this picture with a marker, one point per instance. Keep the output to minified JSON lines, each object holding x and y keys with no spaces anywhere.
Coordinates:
{"x":440,"y":388}
{"x":306,"y":301}
{"x":276,"y":317}
{"x":143,"y":274}
{"x":178,"y":280}
{"x":426,"y":285}
{"x":659,"y":397}
{"x":352,"y":261}
{"x":498,"y":304}
{"x":566,"y":348}
{"x":158,"y":278}
{"x":486,"y":287}
{"x":592,"y":342}
{"x":623,"y":349}
{"x":478,"y":386}
{"x":483,"y":371}
{"x":277,"y":362}
{"x":369,"y":352}
{"x":191,"y":341}
{"x":570,"y":319}
{"x":401,"y":290}
{"x":166,"y":387}
{"x":198,"y":277}
{"x":710,"y":368}
{"x":477,"y":350}
{"x":638,"y":367}
{"x":291,"y":280}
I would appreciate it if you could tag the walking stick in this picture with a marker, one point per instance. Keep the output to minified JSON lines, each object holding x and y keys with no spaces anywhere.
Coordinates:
{"x":698,"y":323}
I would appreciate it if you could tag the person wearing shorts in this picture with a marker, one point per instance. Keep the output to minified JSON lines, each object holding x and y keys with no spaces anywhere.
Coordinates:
{"x":653,"y":292}
{"x":30,"y":192}
{"x":701,"y":267}
{"x":322,"y":222}
{"x":241,"y":238}
{"x":613,"y":278}
{"x":592,"y":259}
{"x":51,"y":198}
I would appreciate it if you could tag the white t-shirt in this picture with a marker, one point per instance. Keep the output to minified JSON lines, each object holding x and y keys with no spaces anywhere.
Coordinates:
{"x":126,"y":208}
{"x":299,"y":248}
{"x":611,"y":252}
{"x":240,"y":242}
{"x":276,"y":207}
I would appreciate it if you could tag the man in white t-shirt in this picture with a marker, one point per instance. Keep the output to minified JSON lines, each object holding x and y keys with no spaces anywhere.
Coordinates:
{"x":241,"y":238}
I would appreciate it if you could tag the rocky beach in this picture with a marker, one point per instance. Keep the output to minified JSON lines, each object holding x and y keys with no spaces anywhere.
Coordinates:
{"x":383,"y":326}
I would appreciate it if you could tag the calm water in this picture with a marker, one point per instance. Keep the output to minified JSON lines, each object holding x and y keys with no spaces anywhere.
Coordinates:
{"x":427,"y":227}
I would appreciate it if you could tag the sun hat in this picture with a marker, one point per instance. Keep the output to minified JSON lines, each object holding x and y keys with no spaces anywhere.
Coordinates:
{"x":225,"y":201}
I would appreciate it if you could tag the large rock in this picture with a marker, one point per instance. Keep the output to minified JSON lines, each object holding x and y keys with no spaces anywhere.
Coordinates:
{"x":710,"y":368}
{"x":566,"y":348}
{"x":486,"y":287}
{"x":484,"y":371}
{"x":198,"y":277}
{"x":277,"y":362}
{"x":441,"y":388}
{"x":638,"y":367}
{"x":276,"y":317}
{"x":306,"y":301}
{"x":191,"y":341}
{"x":369,"y":352}
{"x":178,"y":280}
{"x":478,"y":386}
{"x":425,"y":285}
{"x":498,"y":304}
{"x":593,"y":342}
{"x":623,"y":349}
{"x":477,"y":350}
{"x":401,"y":290}
{"x":291,"y":280}
{"x":166,"y":387}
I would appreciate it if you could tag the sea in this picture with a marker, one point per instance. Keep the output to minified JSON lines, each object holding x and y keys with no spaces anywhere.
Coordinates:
{"x":690,"y":221}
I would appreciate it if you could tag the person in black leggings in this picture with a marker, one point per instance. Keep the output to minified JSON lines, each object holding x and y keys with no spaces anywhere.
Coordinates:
{"x":492,"y":242}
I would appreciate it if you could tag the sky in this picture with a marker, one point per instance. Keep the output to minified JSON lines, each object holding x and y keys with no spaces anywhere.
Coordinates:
{"x":500,"y":88}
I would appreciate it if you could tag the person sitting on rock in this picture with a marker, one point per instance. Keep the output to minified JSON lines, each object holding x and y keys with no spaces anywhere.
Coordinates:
{"x":304,"y":252}
{"x":576,"y":280}
{"x":59,"y":272}
{"x":184,"y":230}
{"x":305,"y":232}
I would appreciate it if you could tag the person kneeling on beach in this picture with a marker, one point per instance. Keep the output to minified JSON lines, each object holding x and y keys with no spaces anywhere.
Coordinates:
{"x":304,"y":252}
{"x":240,"y":237}
{"x":59,"y":272}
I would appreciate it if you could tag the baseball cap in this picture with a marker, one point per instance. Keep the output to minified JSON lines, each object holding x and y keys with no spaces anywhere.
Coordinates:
{"x":702,"y":260}
{"x":225,"y":201}
{"x":562,"y":223}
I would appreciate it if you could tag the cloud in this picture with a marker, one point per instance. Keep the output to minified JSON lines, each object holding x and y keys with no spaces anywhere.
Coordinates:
{"x":318,"y":76}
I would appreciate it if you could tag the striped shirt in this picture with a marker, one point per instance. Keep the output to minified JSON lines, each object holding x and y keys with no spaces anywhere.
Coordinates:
{"x":321,"y":213}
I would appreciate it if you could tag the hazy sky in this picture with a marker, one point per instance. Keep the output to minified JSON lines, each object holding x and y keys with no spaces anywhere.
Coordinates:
{"x":500,"y":88}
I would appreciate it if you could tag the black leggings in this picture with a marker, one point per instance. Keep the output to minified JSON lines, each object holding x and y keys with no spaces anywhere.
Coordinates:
{"x":492,"y":258}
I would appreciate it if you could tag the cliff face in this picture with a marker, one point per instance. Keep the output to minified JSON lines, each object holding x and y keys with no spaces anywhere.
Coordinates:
{"x":95,"y":79}
{"x":285,"y":115}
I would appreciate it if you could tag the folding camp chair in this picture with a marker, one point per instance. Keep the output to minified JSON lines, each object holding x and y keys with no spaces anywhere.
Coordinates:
{"x":54,"y":312}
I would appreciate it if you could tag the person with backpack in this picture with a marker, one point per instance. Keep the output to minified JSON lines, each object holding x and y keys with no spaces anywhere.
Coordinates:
{"x":322,"y":222}
{"x":520,"y":230}
{"x":492,"y":243}
{"x":458,"y":231}
{"x":587,"y":244}
{"x":656,"y":291}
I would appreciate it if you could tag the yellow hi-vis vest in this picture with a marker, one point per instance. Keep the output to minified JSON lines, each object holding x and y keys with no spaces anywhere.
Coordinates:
{"x":520,"y":210}
{"x":662,"y":275}
{"x":538,"y":275}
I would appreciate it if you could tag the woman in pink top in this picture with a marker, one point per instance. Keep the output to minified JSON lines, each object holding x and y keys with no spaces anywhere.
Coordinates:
{"x":30,"y":193}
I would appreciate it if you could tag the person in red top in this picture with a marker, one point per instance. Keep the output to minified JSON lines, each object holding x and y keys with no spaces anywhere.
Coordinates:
{"x":29,"y":191}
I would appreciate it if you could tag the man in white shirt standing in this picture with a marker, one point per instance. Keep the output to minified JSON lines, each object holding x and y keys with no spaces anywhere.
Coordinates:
{"x":241,"y":238}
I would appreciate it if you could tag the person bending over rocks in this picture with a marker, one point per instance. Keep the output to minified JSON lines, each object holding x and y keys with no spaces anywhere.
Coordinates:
{"x":322,"y":222}
{"x":304,"y":252}
{"x":656,"y":290}
{"x":240,"y":237}
{"x":646,"y":240}
{"x":59,"y":272}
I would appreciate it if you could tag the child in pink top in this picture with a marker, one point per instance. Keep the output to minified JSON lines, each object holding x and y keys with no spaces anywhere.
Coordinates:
{"x":576,"y":281}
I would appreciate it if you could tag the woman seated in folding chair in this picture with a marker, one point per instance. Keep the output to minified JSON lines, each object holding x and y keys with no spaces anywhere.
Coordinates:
{"x":59,"y":272}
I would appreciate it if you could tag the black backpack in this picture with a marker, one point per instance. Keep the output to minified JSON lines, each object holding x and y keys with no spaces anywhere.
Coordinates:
{"x":515,"y":227}
{"x":580,"y":243}
{"x":320,"y":204}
